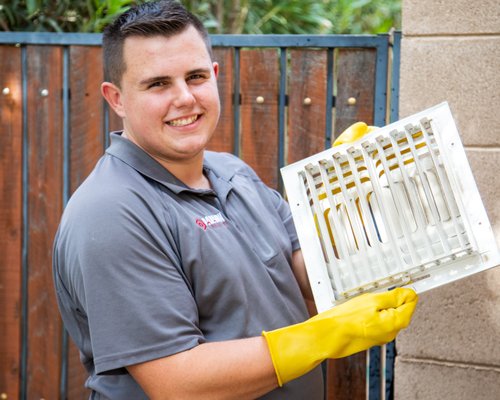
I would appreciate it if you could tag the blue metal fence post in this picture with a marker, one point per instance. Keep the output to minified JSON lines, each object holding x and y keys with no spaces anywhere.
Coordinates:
{"x":25,"y":225}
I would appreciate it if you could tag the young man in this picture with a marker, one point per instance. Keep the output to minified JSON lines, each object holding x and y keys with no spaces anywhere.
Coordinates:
{"x":178,"y":272}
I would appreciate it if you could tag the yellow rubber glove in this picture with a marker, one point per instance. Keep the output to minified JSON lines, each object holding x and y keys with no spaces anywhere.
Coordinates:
{"x":353,"y":133}
{"x":368,"y":320}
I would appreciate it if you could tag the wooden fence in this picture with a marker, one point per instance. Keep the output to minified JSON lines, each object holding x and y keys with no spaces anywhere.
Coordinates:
{"x":280,"y":103}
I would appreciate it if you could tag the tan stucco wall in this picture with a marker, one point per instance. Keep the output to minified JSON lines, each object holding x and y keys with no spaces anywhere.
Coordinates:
{"x":451,"y":51}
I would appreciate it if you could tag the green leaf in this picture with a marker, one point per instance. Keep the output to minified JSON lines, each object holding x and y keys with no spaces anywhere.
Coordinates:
{"x":31,"y":6}
{"x":53,"y":24}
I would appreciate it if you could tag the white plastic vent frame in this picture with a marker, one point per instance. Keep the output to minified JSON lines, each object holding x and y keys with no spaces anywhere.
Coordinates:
{"x":399,"y":207}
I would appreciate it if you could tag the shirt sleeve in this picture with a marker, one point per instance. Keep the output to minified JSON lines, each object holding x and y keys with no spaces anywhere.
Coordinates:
{"x":138,"y":304}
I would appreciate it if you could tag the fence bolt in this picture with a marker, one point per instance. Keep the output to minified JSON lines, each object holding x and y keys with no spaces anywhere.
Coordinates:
{"x":44,"y":92}
{"x":259,"y":99}
{"x":5,"y":92}
{"x":307,"y":101}
{"x":351,"y":101}
{"x":3,"y":396}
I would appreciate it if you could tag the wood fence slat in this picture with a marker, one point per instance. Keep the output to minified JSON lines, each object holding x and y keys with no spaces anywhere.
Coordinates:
{"x":10,"y":219}
{"x":45,"y":205}
{"x":86,"y":146}
{"x":346,"y":378}
{"x":259,"y":74}
{"x":87,"y":119}
{"x":355,"y":78}
{"x":223,"y":139}
{"x":306,"y":121}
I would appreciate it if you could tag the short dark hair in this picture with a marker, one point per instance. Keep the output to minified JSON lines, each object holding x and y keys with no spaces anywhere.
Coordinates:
{"x":157,"y":18}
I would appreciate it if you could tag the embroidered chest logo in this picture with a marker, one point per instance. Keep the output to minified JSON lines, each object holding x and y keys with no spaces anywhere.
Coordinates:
{"x":210,"y":221}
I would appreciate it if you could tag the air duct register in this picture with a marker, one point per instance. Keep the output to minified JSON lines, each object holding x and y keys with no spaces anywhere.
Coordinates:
{"x":398,"y":207}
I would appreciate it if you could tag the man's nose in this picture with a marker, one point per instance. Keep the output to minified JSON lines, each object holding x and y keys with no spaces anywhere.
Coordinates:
{"x":183,"y":95}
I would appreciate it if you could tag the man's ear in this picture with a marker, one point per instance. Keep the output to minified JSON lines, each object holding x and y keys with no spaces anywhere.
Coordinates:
{"x":113,"y":96}
{"x":215,"y":66}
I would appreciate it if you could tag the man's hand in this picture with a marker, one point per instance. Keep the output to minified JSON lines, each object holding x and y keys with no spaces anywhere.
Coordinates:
{"x":368,"y":320}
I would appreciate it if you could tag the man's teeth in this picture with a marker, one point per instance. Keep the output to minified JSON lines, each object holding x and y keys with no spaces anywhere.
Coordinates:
{"x":183,"y":121}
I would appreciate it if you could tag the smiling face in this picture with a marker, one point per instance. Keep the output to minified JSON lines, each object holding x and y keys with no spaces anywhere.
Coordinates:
{"x":168,"y":97}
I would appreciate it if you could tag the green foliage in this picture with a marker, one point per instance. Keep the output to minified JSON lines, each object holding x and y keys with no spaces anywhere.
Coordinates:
{"x":364,"y":16}
{"x":100,"y":13}
{"x":60,"y":15}
{"x":298,"y":16}
{"x":260,"y":16}
{"x":219,"y":16}
{"x":295,"y":16}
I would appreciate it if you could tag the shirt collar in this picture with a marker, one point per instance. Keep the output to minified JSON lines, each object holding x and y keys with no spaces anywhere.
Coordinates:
{"x":137,"y":158}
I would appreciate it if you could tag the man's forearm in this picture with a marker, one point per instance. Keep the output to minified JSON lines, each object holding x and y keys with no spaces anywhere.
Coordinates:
{"x":236,"y":369}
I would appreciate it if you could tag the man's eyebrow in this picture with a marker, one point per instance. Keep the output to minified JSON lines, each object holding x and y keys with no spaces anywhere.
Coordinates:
{"x":199,"y":71}
{"x":153,"y":79}
{"x":166,"y":78}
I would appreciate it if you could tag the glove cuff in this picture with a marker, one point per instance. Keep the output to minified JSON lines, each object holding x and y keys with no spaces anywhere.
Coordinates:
{"x":272,"y":352}
{"x":294,"y":350}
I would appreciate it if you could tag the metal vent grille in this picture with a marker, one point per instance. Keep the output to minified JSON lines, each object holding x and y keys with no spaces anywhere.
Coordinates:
{"x":388,"y":211}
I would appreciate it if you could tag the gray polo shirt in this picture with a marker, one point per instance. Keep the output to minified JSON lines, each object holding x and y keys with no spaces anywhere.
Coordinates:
{"x":146,"y":267}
